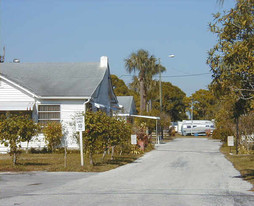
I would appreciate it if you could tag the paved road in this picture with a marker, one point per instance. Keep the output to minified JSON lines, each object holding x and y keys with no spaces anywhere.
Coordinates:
{"x":182,"y":172}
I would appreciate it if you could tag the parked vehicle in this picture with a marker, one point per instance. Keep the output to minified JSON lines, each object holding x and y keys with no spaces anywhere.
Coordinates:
{"x":197,"y":127}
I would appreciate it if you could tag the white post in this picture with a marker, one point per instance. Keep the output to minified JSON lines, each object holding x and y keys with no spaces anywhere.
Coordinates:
{"x":157,"y":137}
{"x":81,"y":148}
{"x":80,"y":127}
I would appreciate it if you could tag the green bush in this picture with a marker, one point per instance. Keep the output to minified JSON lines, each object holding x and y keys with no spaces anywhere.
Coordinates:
{"x":104,"y":132}
{"x":53,"y":135}
{"x":222,"y":133}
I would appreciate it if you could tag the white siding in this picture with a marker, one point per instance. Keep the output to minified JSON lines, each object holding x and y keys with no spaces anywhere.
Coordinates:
{"x":10,"y":93}
{"x":3,"y":149}
{"x":36,"y":142}
{"x":69,"y":109}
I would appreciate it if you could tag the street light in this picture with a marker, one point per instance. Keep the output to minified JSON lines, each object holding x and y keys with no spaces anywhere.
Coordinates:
{"x":170,"y":56}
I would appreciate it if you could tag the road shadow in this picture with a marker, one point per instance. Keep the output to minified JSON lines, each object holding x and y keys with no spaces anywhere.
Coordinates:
{"x":32,"y":164}
{"x":248,"y":174}
{"x":121,"y":161}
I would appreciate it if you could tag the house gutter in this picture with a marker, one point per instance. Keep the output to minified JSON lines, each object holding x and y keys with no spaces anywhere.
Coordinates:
{"x":89,"y":99}
{"x":39,"y":97}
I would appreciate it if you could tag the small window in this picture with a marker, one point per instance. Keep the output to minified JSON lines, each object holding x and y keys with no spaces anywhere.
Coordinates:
{"x":188,"y":126}
{"x":48,"y":113}
{"x":194,"y":126}
{"x":207,"y":126}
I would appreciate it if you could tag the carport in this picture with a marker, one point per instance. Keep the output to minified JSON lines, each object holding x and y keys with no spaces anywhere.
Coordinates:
{"x":147,"y":117}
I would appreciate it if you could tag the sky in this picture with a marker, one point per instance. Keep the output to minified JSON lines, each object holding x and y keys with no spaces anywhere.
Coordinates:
{"x":85,"y":30}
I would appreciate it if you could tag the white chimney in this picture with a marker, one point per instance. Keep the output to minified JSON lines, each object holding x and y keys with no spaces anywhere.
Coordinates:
{"x":104,"y":61}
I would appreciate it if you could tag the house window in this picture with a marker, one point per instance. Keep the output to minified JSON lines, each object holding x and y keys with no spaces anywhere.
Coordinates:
{"x":48,"y":113}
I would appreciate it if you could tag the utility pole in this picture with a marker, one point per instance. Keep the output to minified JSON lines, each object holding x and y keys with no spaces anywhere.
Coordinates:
{"x":161,"y":130}
{"x":191,"y":115}
{"x":160,"y":85}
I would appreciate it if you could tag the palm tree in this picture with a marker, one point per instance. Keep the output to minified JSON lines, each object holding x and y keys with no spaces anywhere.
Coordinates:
{"x":147,"y":67}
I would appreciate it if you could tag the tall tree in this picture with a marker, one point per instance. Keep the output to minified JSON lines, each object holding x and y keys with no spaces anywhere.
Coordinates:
{"x":174,"y":101}
{"x":147,"y":67}
{"x":120,"y":88}
{"x":232,"y":58}
{"x":204,"y":104}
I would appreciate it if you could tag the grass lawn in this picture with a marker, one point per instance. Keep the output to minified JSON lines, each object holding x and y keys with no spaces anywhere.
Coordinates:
{"x":243,"y":163}
{"x":55,"y":162}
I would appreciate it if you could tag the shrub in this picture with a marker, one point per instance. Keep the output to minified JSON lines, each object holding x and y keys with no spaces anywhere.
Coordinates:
{"x":15,"y":129}
{"x":53,"y":135}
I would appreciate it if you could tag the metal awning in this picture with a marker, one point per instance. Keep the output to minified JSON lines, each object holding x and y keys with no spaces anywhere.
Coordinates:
{"x":99,"y":105}
{"x":141,"y":116}
{"x":16,"y":106}
{"x":147,"y":117}
{"x":116,"y":107}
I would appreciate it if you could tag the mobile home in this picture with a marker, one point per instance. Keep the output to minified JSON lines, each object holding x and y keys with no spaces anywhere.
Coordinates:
{"x":197,"y":127}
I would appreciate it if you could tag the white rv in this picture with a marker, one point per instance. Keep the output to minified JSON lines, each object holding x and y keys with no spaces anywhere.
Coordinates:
{"x":197,"y":127}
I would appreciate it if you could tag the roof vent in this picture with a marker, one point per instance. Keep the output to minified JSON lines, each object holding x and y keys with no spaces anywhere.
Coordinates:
{"x":16,"y":61}
{"x":104,"y":61}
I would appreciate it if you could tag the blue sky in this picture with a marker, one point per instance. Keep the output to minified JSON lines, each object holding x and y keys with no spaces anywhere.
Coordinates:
{"x":84,"y":30}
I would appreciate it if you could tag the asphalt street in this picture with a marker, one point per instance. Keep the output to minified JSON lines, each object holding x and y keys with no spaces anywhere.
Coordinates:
{"x":184,"y":172}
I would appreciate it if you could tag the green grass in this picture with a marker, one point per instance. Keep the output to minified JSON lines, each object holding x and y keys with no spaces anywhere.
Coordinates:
{"x":243,"y":163}
{"x":55,"y":162}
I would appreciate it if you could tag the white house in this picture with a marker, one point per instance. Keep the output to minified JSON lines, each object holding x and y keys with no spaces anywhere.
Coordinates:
{"x":56,"y":92}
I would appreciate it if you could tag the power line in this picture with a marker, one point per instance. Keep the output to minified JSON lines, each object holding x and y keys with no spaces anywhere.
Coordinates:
{"x":174,"y":76}
{"x":188,"y":75}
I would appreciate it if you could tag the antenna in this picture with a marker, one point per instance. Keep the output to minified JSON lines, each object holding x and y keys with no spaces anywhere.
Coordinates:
{"x":2,"y":57}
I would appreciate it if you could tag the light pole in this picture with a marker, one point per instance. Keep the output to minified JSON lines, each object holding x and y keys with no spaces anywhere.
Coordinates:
{"x":160,"y":85}
{"x":170,"y":56}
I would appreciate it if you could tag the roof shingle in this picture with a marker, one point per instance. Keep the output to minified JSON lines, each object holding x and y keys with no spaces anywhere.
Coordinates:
{"x":55,"y":79}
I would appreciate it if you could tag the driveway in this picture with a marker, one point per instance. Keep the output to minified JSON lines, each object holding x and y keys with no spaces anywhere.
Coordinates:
{"x":187,"y":171}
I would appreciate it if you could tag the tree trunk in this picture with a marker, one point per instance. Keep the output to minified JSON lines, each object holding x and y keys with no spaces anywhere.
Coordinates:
{"x":14,"y":158}
{"x":27,"y":147}
{"x":65,"y":156}
{"x":91,"y":158}
{"x":104,"y":154}
{"x":112,"y":153}
{"x":237,"y":135}
{"x":121,"y":151}
{"x":142,"y":96}
{"x":162,"y":135}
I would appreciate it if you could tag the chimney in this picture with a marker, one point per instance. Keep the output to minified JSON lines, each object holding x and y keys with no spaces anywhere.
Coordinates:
{"x":104,"y":61}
